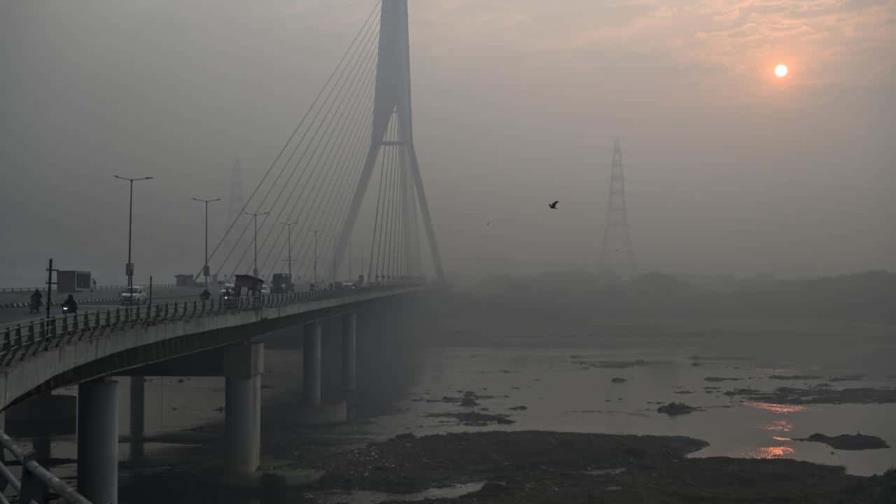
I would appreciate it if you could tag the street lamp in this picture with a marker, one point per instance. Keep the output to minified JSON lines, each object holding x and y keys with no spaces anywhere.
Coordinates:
{"x":289,"y":226}
{"x":129,"y":267}
{"x":315,"y":256}
{"x":205,"y":268}
{"x":255,"y":240}
{"x":350,"y":259}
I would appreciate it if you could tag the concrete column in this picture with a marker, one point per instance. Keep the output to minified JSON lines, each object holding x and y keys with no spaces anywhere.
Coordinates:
{"x":138,"y":416}
{"x":349,"y":352}
{"x":98,"y":441}
{"x":311,"y":368}
{"x":242,"y":408}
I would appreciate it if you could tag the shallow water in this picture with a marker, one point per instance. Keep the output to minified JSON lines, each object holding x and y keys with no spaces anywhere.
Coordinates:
{"x":367,"y":497}
{"x":563,"y":393}
{"x":570,"y":388}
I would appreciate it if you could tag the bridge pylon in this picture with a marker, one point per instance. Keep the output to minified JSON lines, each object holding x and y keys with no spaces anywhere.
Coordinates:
{"x":392,"y":102}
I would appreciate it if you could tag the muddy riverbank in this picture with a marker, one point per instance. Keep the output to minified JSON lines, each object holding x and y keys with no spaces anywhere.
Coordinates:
{"x":536,"y":467}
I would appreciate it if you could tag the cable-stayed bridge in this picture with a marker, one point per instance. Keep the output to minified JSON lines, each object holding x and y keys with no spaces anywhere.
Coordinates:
{"x":344,"y":196}
{"x":343,"y":200}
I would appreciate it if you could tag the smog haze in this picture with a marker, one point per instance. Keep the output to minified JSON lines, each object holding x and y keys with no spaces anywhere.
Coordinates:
{"x":516,"y":104}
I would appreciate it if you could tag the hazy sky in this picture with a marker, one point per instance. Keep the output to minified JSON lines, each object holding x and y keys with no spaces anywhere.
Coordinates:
{"x":516,"y":104}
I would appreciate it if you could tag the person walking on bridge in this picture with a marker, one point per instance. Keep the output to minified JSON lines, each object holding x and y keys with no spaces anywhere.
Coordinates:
{"x":36,"y":301}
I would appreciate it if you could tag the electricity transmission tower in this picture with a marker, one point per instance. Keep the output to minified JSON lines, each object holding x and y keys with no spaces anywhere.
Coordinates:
{"x":392,"y":102}
{"x":617,"y":255}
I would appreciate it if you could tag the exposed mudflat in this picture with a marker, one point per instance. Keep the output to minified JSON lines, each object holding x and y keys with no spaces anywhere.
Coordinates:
{"x":539,"y":467}
{"x":410,"y":463}
{"x":474,"y":419}
{"x":676,"y":408}
{"x":528,"y":467}
{"x":819,"y":395}
{"x":849,"y":441}
{"x":607,"y":364}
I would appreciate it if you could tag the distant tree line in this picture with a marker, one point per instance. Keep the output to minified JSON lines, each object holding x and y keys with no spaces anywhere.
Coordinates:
{"x":868,"y":295}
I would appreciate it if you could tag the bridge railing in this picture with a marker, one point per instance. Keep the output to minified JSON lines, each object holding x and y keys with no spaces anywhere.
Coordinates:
{"x":98,"y":288}
{"x":34,"y":481}
{"x":24,"y":339}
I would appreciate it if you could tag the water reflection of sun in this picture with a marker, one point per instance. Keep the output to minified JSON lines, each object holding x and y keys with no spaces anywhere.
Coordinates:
{"x":778,"y":426}
{"x":772,"y":452}
{"x":777,"y":408}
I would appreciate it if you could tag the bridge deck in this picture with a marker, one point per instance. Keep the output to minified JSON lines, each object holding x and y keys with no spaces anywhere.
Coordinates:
{"x":68,"y":350}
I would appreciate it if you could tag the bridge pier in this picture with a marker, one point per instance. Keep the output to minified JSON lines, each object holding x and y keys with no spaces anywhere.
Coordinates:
{"x":98,"y":441}
{"x":311,"y":364}
{"x":137,"y":416}
{"x":242,"y":408}
{"x":349,"y":352}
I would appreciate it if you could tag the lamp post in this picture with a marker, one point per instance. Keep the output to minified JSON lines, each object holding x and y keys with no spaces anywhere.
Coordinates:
{"x":205,"y":268}
{"x":289,"y":226}
{"x":316,"y":232}
{"x":255,"y":240}
{"x":129,"y":267}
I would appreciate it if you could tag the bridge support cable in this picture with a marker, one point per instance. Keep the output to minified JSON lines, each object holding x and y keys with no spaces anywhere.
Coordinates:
{"x":401,"y":257}
{"x":372,"y":274}
{"x":344,"y":179}
{"x":389,"y":251}
{"x":393,"y":94}
{"x":395,"y":251}
{"x":405,"y":218}
{"x":320,"y":178}
{"x":383,"y":208}
{"x":329,"y":199}
{"x":218,"y":250}
{"x":393,"y":203}
{"x":387,"y":211}
{"x":334,"y":129}
{"x":388,"y":200}
{"x":328,"y":169}
{"x":322,"y":128}
{"x":410,"y":220}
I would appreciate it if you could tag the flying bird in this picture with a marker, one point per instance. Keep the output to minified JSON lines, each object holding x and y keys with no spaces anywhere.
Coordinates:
{"x":553,"y":206}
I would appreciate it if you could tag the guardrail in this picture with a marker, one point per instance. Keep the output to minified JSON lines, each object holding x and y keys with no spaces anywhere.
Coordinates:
{"x":23,"y":339}
{"x":84,"y":301}
{"x":34,"y":481}
{"x":42,"y":288}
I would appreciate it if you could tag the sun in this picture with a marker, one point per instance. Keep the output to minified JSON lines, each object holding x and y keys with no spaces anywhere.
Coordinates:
{"x":781,"y":70}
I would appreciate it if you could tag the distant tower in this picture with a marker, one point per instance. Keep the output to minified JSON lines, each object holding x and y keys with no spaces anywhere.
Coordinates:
{"x":617,"y":254}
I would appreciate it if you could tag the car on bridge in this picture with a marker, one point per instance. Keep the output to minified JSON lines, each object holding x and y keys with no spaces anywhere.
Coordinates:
{"x":229,"y":295}
{"x":133,"y":295}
